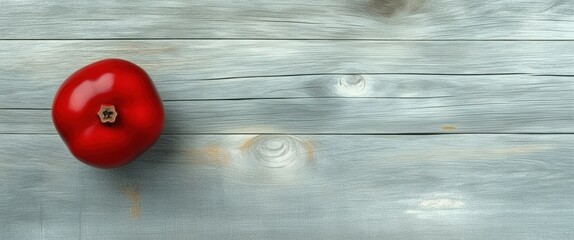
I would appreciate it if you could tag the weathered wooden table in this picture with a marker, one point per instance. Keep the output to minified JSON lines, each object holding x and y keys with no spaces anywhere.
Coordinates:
{"x":323,"y":119}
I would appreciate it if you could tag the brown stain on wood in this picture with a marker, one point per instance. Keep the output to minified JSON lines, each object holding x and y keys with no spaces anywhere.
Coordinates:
{"x":134,"y":195}
{"x":249,"y":143}
{"x":210,"y":155}
{"x":310,"y":149}
{"x":449,"y":128}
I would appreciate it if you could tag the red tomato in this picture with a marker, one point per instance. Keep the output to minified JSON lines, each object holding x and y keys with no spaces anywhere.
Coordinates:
{"x":108,"y":113}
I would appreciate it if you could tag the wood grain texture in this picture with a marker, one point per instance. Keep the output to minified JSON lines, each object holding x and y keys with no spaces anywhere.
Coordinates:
{"x":185,"y":60}
{"x":336,"y":116}
{"x":294,"y":19}
{"x":336,"y":187}
{"x":323,"y":119}
{"x":315,"y":87}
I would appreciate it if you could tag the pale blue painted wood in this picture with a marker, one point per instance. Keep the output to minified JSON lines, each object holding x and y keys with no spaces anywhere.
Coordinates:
{"x":331,"y":187}
{"x":294,"y":19}
{"x":324,"y":69}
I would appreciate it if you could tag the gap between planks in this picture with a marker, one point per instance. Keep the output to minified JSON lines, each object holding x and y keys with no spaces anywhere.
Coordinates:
{"x":338,"y":134}
{"x":291,"y":39}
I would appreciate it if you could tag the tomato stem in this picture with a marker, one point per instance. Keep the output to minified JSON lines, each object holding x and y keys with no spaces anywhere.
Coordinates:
{"x":108,"y":114}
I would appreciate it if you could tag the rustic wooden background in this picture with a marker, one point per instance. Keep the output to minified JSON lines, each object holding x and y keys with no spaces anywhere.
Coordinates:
{"x":301,"y":119}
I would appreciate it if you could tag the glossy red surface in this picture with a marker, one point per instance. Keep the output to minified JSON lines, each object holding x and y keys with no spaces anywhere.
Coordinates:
{"x":140,"y":113}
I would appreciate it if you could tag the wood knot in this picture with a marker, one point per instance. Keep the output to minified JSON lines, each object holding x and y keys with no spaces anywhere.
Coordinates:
{"x":278,"y":151}
{"x":351,"y":84}
{"x":441,"y":203}
{"x":392,"y":8}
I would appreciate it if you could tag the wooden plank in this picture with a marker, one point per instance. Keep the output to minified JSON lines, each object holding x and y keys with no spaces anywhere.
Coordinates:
{"x":311,"y":87}
{"x":295,"y":19}
{"x":512,"y":94}
{"x":184,"y":60}
{"x":398,"y":86}
{"x":415,"y":87}
{"x":286,"y":187}
{"x":482,"y":114}
{"x":41,"y":66}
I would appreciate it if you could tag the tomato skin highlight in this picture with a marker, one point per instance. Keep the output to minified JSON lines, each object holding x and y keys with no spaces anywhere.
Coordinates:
{"x":108,"y":113}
